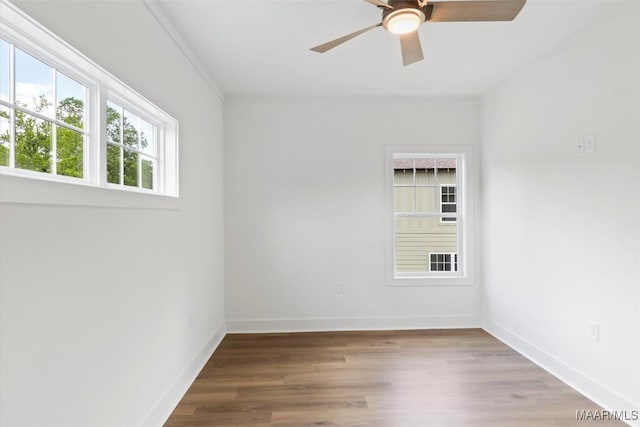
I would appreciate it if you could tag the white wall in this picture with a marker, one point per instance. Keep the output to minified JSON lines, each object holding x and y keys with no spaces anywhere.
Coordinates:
{"x":304,"y":210}
{"x":561,"y":231}
{"x":95,"y":301}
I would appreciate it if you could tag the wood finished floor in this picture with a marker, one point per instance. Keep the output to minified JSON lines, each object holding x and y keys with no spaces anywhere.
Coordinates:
{"x":439,"y":378}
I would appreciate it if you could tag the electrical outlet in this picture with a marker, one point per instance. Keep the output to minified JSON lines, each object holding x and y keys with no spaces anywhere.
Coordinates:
{"x":589,"y":144}
{"x":594,"y":331}
{"x":341,"y":288}
{"x":580,"y":148}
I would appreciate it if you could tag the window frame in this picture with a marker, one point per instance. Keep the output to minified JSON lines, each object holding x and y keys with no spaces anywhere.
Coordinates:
{"x":25,"y":186}
{"x":41,"y":52}
{"x":465,"y":194}
{"x":157,"y":156}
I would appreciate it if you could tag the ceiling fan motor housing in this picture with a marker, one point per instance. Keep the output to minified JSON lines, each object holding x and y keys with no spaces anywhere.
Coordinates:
{"x":403,"y":7}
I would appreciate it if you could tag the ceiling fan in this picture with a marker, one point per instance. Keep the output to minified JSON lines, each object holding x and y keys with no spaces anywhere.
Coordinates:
{"x":404,"y":17}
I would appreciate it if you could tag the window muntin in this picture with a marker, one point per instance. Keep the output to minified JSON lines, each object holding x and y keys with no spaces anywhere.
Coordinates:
{"x":75,"y":149}
{"x":36,"y":133}
{"x":422,"y":185}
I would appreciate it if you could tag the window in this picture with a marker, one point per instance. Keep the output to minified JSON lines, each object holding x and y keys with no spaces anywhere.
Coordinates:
{"x":65,"y":119}
{"x":443,"y":262}
{"x":42,"y":115}
{"x":429,"y":222}
{"x":448,"y":201}
{"x":131,"y":148}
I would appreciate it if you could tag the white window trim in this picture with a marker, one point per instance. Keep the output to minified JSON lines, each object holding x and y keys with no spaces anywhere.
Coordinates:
{"x":24,"y":186}
{"x":465,"y":178}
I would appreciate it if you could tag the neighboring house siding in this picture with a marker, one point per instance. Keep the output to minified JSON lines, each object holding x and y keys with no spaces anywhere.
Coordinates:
{"x":417,"y":237}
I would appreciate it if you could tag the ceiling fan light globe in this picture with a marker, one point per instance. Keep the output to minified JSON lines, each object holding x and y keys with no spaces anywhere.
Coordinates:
{"x":403,"y":21}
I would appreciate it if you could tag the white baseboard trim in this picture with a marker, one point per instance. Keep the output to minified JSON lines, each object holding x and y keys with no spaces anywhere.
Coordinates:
{"x":170,"y":400}
{"x":351,"y":324}
{"x":592,"y":389}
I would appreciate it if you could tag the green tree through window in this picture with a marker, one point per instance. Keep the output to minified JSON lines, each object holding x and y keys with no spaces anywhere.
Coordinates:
{"x":34,"y":138}
{"x":126,"y":148}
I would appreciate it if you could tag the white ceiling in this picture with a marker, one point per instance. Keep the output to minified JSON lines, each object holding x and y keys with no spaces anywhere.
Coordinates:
{"x":262,"y":46}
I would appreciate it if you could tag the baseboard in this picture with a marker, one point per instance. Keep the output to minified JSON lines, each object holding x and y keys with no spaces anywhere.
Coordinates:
{"x":170,"y":400}
{"x":351,"y":324}
{"x":592,"y":389}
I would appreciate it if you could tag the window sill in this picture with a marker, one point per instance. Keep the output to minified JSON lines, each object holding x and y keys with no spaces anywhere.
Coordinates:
{"x":25,"y":190}
{"x":429,"y":281}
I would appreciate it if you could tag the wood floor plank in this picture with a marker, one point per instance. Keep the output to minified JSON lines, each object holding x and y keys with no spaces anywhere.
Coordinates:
{"x":439,"y":378}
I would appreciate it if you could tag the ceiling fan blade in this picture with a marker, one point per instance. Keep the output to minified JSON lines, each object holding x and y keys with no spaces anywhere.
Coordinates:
{"x":411,"y":48}
{"x":337,"y":42}
{"x":379,"y":3}
{"x":458,"y":11}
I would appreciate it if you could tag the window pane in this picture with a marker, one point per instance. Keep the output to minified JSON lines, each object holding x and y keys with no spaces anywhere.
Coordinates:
{"x":33,"y":143}
{"x":4,"y":70}
{"x":421,"y":244}
{"x":147,"y":174}
{"x":4,"y":136}
{"x":131,"y":130}
{"x":69,"y":149}
{"x":113,"y":164}
{"x":114,"y":121}
{"x":34,"y":84}
{"x":449,"y":208}
{"x":70,"y":102}
{"x":130,"y":168}
{"x":147,"y":138}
